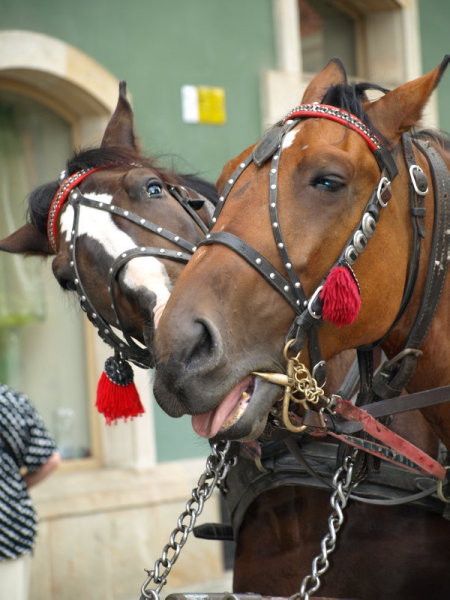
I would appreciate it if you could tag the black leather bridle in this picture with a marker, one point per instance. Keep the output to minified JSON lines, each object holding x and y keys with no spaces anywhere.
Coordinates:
{"x":126,"y":347}
{"x":308,"y":310}
{"x":396,"y":372}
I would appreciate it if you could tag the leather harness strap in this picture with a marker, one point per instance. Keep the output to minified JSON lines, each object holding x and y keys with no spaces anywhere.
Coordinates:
{"x":395,"y":374}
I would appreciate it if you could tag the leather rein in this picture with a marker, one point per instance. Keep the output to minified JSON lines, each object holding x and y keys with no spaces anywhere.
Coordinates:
{"x":68,"y":191}
{"x":396,"y":372}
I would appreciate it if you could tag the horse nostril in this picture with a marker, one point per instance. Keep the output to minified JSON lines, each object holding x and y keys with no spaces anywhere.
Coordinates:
{"x":204,"y":344}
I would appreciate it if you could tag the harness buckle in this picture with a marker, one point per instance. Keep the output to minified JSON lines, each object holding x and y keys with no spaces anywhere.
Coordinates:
{"x":310,"y":307}
{"x":384,"y":193}
{"x":419,"y":180}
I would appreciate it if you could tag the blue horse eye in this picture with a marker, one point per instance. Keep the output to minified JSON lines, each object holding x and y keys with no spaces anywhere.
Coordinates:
{"x":330,"y":184}
{"x":154,"y":189}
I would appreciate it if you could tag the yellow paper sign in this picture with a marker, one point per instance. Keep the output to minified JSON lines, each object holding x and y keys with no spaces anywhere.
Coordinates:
{"x":211,"y":104}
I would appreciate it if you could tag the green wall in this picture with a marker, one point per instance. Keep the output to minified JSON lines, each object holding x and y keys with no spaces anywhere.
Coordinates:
{"x":434,"y":24}
{"x":157,"y":46}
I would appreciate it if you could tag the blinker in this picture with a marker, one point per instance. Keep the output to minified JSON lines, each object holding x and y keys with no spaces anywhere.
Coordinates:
{"x":270,"y":143}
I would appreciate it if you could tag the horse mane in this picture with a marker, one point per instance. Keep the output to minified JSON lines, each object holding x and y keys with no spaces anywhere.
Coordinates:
{"x":351,"y":98}
{"x":39,"y":199}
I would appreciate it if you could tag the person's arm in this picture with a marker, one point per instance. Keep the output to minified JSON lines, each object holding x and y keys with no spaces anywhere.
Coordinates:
{"x":33,"y":477}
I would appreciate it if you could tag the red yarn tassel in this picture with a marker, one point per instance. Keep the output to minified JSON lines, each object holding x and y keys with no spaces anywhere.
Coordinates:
{"x":341,"y":300}
{"x":117,"y":396}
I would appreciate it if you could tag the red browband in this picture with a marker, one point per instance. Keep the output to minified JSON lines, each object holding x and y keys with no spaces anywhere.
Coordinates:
{"x":58,"y":201}
{"x":340,"y":116}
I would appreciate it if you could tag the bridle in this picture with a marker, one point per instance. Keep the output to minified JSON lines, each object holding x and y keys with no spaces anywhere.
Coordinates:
{"x":395,"y":373}
{"x":308,"y":310}
{"x":68,"y":191}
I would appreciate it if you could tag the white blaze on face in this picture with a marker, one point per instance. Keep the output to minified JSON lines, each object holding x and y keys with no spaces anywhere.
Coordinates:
{"x":289,"y":138}
{"x":145,"y":271}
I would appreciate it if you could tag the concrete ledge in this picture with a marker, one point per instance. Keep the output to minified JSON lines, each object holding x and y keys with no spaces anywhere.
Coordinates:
{"x":98,"y":490}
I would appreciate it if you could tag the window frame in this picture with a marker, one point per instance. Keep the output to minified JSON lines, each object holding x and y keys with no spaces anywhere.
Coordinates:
{"x":389,"y":64}
{"x":84,"y":94}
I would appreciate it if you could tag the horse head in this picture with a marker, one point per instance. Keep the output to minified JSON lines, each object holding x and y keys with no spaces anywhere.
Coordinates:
{"x":309,"y":255}
{"x":119,"y":229}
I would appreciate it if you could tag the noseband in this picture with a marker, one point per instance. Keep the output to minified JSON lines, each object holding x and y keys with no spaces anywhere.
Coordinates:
{"x":68,"y":191}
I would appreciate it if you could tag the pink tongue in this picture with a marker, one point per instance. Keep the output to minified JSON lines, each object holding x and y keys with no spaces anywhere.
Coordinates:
{"x":208,"y":424}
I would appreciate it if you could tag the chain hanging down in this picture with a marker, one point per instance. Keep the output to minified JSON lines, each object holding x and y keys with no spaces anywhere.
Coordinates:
{"x":343,"y":482}
{"x":216,"y":471}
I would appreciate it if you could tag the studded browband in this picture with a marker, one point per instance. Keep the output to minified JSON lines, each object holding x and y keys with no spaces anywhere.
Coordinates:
{"x":380,"y":152}
{"x":60,"y":198}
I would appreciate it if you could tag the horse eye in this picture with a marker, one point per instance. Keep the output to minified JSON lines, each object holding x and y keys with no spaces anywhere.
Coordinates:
{"x":154,"y":188}
{"x":328,"y":183}
{"x":68,"y":285}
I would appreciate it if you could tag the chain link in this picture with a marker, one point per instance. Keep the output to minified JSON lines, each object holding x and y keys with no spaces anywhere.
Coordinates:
{"x":217,"y":467}
{"x":344,"y":484}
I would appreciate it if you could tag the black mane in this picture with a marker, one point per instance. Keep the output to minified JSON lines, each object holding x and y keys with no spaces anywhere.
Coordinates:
{"x":350,"y":97}
{"x":39,"y":199}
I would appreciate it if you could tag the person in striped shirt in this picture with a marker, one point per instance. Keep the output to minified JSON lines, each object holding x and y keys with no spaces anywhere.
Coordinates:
{"x":28,"y":454}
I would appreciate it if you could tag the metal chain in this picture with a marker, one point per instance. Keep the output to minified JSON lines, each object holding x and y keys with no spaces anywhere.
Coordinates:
{"x":343,"y":484}
{"x":215,"y":473}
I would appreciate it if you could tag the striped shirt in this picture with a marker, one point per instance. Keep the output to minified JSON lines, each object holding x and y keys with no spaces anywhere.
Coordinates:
{"x":26,"y":444}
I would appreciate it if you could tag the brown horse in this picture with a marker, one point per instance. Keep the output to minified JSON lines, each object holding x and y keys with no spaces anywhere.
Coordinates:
{"x":316,"y":179}
{"x":121,"y":238}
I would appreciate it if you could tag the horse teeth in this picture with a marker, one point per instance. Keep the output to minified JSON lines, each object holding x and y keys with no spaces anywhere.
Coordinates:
{"x":245,"y":397}
{"x":243,"y":402}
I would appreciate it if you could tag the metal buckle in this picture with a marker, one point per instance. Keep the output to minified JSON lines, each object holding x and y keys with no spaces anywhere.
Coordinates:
{"x":415,"y":170}
{"x":382,"y":186}
{"x":311,"y":302}
{"x":400,"y":356}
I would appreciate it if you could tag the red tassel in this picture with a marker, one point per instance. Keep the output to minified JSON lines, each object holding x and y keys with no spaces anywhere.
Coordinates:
{"x":117,"y":396}
{"x":341,"y":300}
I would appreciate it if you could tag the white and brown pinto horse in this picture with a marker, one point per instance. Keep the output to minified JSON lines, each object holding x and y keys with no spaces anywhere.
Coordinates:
{"x":327,"y":191}
{"x":119,"y":229}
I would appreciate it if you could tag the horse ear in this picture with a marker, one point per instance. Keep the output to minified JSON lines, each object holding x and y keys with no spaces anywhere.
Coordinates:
{"x":333,"y":74}
{"x":120,"y":129}
{"x":27,"y":240}
{"x":400,"y":109}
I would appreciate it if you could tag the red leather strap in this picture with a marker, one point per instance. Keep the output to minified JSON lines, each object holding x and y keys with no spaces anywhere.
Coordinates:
{"x":422,"y":462}
{"x":58,"y":201}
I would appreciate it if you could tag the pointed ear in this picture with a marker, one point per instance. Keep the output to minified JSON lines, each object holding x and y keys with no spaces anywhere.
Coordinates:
{"x":401,"y":109}
{"x":27,"y":240}
{"x":333,"y":74}
{"x":120,"y":129}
